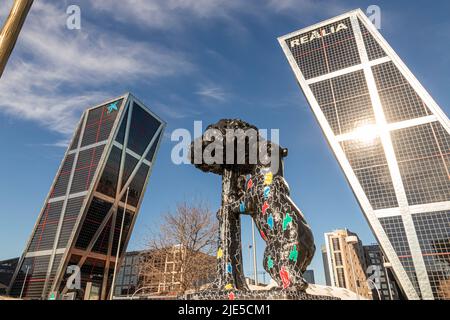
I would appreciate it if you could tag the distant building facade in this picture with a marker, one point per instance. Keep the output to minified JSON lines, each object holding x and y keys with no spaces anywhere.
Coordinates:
{"x":325,"y":266}
{"x":7,"y":269}
{"x":346,"y":262}
{"x":158,"y":273}
{"x":383,"y":279}
{"x":127,"y":281}
{"x":95,"y":197}
{"x":342,"y":250}
{"x":309,"y":276}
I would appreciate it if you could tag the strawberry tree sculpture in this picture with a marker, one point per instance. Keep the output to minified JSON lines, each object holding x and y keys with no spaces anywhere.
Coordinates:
{"x":253,"y":185}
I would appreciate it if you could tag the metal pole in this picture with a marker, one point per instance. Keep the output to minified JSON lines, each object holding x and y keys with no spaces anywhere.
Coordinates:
{"x":250,"y":247}
{"x":24,"y":281}
{"x":139,"y":290}
{"x":118,"y":246}
{"x":11,"y":30}
{"x":389,"y":286}
{"x":376,"y":288}
{"x":386,"y":272}
{"x":255,"y":268}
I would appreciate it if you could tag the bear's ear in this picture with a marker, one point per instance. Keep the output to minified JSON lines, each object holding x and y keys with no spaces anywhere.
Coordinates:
{"x":284,"y":152}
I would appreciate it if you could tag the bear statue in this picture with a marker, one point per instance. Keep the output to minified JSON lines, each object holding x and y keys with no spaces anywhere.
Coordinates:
{"x":256,"y":188}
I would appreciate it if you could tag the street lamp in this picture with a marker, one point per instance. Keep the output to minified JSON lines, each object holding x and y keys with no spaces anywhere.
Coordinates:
{"x":255,"y":267}
{"x":139,"y":290}
{"x":113,"y":284}
{"x":250,"y":247}
{"x":370,"y":281}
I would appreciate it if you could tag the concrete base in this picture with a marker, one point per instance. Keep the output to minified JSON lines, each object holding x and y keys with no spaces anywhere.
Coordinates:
{"x":272,"y":292}
{"x":340,"y":293}
{"x":3,"y":298}
{"x":256,"y":295}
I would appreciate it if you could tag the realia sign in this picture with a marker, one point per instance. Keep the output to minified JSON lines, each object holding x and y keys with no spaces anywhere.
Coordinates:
{"x":318,"y":34}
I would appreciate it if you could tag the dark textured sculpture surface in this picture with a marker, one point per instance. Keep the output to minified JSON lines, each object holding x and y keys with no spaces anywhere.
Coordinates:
{"x":255,"y":190}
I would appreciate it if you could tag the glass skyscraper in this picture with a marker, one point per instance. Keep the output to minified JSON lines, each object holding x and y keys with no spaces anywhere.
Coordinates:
{"x":105,"y":168}
{"x":391,"y":139}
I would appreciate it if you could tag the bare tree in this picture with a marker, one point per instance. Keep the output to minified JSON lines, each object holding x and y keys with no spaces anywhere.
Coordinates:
{"x":181,"y":254}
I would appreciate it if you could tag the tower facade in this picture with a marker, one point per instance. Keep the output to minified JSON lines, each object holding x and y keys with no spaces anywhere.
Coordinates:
{"x":346,"y":262}
{"x":391,"y":139}
{"x":93,"y":202}
{"x":383,"y":287}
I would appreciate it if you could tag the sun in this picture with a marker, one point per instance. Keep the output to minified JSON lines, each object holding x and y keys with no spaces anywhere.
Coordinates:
{"x":366,"y":134}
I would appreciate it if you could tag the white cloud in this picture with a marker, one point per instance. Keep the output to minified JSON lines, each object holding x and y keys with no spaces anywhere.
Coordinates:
{"x":280,"y":5}
{"x":173,"y":14}
{"x":174,"y":110}
{"x":305,"y":7}
{"x":212,"y":92}
{"x":167,"y":14}
{"x":54,"y":73}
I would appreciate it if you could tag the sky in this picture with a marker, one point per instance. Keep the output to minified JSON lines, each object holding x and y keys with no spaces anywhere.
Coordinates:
{"x":188,"y":60}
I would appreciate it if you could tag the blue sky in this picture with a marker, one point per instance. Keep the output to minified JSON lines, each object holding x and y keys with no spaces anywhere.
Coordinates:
{"x":188,"y":60}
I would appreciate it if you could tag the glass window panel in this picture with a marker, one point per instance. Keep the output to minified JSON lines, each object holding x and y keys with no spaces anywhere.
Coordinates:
{"x":374,"y":50}
{"x":399,"y":100}
{"x":45,"y":232}
{"x":362,"y":154}
{"x":422,"y":153}
{"x":100,"y":123}
{"x":130,"y":165}
{"x":143,"y":127}
{"x":60,"y":187}
{"x":85,"y":169}
{"x":96,"y":213}
{"x":122,"y":129}
{"x":425,"y":181}
{"x":377,"y":185}
{"x":433,"y":232}
{"x":137,"y":185}
{"x":345,"y":102}
{"x":152,"y":151}
{"x":395,"y":231}
{"x":76,"y":139}
{"x":328,"y":49}
{"x":71,"y":215}
{"x":110,"y":176}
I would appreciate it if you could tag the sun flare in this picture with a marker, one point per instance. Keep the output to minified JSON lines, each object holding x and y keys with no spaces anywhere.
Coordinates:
{"x":366,"y":134}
